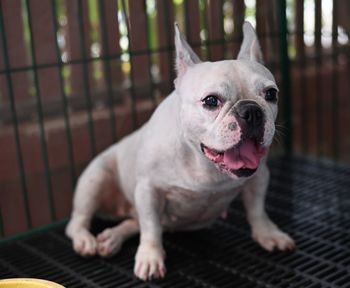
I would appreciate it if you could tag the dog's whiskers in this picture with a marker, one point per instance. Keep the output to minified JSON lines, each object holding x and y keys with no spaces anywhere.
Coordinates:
{"x":279,"y":134}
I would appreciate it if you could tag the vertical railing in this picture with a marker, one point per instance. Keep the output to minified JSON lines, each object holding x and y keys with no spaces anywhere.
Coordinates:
{"x":192,"y":24}
{"x":299,"y":74}
{"x":149,"y":59}
{"x":216,"y":50}
{"x":133,"y":95}
{"x":84,"y":44}
{"x":41,"y":120}
{"x":109,"y":34}
{"x":65,"y":104}
{"x":137,"y":19}
{"x":318,"y":137}
{"x":165,"y":21}
{"x":238,"y":19}
{"x":336,"y":120}
{"x":285,"y":75}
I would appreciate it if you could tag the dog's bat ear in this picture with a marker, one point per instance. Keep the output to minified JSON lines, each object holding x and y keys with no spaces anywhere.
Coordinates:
{"x":250,"y":49}
{"x":185,"y":56}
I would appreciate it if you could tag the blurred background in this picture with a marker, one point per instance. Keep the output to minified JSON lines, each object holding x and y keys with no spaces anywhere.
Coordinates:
{"x":78,"y":75}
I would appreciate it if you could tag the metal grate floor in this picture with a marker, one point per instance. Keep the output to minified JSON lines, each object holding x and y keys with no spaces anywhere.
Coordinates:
{"x":308,"y":198}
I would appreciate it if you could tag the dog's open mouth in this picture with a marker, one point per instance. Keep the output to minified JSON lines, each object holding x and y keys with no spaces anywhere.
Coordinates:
{"x":242,"y":160}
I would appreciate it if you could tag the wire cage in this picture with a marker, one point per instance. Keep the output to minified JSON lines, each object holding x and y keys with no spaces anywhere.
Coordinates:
{"x":77,"y":76}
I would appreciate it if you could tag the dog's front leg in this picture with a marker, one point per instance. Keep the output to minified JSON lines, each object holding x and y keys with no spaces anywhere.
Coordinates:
{"x":264,"y":231}
{"x":149,"y":260}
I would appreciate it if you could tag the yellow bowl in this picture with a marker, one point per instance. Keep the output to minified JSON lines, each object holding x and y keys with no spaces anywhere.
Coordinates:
{"x":28,"y":283}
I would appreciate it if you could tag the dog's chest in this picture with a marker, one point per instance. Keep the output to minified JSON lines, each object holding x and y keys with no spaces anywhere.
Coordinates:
{"x":185,"y":209}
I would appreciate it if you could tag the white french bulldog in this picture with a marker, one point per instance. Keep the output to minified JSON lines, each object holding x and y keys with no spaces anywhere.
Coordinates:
{"x":204,"y":144}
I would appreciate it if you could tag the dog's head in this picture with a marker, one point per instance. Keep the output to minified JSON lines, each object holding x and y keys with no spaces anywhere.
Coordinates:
{"x":228,"y":108}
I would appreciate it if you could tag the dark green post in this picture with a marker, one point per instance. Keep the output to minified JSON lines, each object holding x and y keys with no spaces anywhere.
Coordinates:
{"x":285,"y":73}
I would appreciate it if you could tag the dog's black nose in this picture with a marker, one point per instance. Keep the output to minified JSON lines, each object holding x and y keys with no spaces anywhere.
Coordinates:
{"x":250,"y":112}
{"x":250,"y":117}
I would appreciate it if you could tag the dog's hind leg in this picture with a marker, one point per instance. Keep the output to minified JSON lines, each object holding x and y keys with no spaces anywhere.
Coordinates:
{"x":110,"y":240}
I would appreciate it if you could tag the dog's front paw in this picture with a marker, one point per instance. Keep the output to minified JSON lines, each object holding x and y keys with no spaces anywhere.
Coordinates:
{"x":84,"y":243}
{"x":269,"y":236}
{"x":149,"y":262}
{"x":109,"y":242}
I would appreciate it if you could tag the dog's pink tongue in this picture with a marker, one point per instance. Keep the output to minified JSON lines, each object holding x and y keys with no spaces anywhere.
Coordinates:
{"x":247,"y":155}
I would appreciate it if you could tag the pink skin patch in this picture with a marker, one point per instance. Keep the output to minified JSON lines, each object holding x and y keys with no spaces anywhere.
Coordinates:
{"x":246,"y":155}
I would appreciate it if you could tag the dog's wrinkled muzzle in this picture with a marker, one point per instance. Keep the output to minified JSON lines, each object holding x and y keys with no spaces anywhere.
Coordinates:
{"x":243,"y":158}
{"x":250,"y":118}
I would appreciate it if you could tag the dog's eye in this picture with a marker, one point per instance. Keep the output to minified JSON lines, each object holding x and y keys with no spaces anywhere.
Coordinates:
{"x":211,"y":101}
{"x":271,"y":95}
